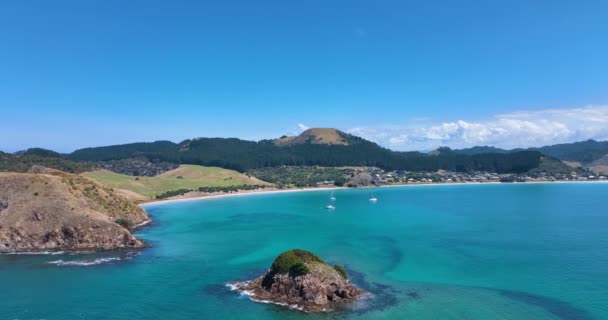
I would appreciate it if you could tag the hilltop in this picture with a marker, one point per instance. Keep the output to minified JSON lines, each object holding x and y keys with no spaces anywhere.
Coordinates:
{"x":48,"y":209}
{"x":327,"y":136}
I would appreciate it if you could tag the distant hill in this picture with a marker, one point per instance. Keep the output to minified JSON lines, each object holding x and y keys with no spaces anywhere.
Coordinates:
{"x":22,"y":161}
{"x":316,"y":136}
{"x":550,"y":165}
{"x":38,"y":152}
{"x":314,"y":147}
{"x":481,"y":149}
{"x":600,"y":165}
{"x":242,"y":155}
{"x":584,"y":152}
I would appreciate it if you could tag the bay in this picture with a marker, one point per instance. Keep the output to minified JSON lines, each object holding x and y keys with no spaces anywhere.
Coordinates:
{"x":520,"y":251}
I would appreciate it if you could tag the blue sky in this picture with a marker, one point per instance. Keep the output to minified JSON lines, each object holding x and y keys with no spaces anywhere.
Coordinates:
{"x":407,"y":74}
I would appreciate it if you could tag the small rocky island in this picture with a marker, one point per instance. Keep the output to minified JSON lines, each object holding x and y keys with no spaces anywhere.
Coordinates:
{"x":301,"y":280}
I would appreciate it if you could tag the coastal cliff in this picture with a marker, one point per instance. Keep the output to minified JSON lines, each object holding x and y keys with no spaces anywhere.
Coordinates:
{"x":47,"y":209}
{"x":301,"y":280}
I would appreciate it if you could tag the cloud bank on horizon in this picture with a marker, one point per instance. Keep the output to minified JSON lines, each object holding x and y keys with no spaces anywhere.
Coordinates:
{"x":519,"y":129}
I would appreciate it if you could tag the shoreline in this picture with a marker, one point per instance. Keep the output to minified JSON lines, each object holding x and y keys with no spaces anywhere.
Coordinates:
{"x":262,"y":191}
{"x":237,"y":194}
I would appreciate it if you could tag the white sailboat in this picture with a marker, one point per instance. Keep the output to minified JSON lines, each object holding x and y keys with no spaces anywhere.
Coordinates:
{"x":331,"y":197}
{"x":373,"y":199}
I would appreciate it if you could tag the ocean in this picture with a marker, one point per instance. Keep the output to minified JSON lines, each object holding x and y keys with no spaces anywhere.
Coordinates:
{"x":500,"y":251}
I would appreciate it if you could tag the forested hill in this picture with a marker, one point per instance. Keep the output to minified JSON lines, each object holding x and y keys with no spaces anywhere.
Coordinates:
{"x":24,"y":160}
{"x":583,"y":151}
{"x":333,"y":148}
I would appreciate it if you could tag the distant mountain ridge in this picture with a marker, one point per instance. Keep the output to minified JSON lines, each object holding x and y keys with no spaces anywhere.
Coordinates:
{"x":584,"y":152}
{"x":480,"y":150}
{"x":313,"y":147}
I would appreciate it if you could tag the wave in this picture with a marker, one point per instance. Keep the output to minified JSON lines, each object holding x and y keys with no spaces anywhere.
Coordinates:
{"x":234,"y":287}
{"x":93,"y":262}
{"x":52,"y":253}
{"x":290,"y":306}
{"x":83,"y":263}
{"x":250,"y":294}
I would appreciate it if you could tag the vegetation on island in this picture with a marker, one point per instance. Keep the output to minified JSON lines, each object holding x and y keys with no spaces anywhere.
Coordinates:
{"x":297,"y":262}
{"x":294,"y":261}
{"x":341,"y":270}
{"x":301,"y":279}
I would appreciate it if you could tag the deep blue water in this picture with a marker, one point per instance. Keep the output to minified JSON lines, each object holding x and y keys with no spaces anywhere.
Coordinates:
{"x":526,"y":251}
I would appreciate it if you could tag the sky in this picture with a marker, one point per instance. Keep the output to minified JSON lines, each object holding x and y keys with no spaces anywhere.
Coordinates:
{"x":410,"y":75}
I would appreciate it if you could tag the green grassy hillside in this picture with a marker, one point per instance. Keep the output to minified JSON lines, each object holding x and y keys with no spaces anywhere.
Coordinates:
{"x":185,"y":177}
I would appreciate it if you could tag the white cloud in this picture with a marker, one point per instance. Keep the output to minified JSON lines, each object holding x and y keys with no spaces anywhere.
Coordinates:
{"x":510,"y":130}
{"x":303,"y":127}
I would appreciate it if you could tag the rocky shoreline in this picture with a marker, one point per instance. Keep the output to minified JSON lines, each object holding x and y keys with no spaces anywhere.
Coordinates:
{"x":300,"y":280}
{"x":49,"y":210}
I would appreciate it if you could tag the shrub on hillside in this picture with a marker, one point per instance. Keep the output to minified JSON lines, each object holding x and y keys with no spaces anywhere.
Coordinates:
{"x":298,"y":269}
{"x":288,"y":259}
{"x":123,"y":222}
{"x":341,"y":271}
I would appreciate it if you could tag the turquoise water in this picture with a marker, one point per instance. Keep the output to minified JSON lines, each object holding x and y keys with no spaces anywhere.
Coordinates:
{"x":531,"y":251}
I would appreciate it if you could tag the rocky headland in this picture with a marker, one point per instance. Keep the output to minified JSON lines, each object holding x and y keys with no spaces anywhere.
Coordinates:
{"x":301,"y":280}
{"x":50,"y":210}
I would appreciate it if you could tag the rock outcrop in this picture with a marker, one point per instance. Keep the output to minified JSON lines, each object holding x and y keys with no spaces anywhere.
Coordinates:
{"x":47,"y":209}
{"x":301,"y":280}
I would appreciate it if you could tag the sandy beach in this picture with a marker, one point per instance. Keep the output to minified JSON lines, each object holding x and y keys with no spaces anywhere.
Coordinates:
{"x":274,"y":191}
{"x":240,"y":193}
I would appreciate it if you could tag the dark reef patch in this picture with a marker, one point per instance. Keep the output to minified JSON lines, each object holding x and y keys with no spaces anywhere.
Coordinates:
{"x":381,"y":296}
{"x":385,"y":247}
{"x":413,"y":294}
{"x":559,"y":308}
{"x":219,"y":291}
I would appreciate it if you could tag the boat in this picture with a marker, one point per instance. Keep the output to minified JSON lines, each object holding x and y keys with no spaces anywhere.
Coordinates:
{"x":331,"y":197}
{"x":330,"y":207}
{"x":373,"y":199}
